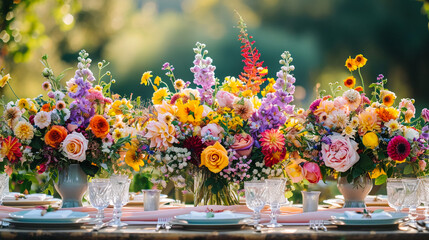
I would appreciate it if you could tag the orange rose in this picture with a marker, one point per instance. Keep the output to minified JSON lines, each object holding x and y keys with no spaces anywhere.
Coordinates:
{"x":47,"y":107}
{"x":99,"y":126}
{"x":215,"y":158}
{"x":55,"y":136}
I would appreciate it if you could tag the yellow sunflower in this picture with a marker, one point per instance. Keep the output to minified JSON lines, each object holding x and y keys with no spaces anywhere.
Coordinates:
{"x":387,"y":97}
{"x":351,"y":64}
{"x":350,"y":82}
{"x":190,"y":112}
{"x":360,"y":60}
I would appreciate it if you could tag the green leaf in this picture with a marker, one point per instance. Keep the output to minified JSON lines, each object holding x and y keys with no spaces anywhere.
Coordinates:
{"x":88,"y":168}
{"x":408,"y":169}
{"x":380,"y":179}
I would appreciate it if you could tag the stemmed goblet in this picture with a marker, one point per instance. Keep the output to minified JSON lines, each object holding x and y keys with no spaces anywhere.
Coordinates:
{"x":255,"y":193}
{"x":4,"y":178}
{"x":411,"y":199}
{"x":424,"y":195}
{"x":99,"y":197}
{"x":395,"y":193}
{"x":275,"y":198}
{"x":119,"y":197}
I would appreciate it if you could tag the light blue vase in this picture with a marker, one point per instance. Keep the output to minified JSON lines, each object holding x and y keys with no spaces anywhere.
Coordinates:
{"x":72,"y":185}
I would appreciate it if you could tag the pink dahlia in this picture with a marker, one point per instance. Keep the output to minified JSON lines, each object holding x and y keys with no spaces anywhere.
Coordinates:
{"x":272,"y":140}
{"x":398,"y":148}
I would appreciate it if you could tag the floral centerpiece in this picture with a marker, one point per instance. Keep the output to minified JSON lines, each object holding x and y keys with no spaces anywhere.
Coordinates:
{"x":79,"y":123}
{"x":207,"y":137}
{"x":350,"y":135}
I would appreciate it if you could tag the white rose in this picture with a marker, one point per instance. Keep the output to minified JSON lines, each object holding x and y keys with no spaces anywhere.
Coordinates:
{"x":410,"y":134}
{"x":75,"y":146}
{"x":42,"y":119}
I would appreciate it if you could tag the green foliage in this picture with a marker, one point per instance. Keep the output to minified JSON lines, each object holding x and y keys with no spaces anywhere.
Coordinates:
{"x":89,"y":168}
{"x":141,"y":181}
{"x":381,"y":179}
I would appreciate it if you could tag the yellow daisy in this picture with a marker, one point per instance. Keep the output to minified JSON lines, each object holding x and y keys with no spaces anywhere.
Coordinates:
{"x":4,"y":80}
{"x":145,"y":77}
{"x":159,"y":96}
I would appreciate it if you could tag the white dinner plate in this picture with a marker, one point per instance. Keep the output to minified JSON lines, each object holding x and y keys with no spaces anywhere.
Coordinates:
{"x":30,"y":202}
{"x":73,"y":217}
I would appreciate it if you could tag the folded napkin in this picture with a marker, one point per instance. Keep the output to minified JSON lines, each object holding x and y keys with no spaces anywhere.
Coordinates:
{"x":36,"y":196}
{"x":57,"y":214}
{"x":355,"y":215}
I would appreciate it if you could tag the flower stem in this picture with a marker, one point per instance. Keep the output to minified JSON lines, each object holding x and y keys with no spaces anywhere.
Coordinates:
{"x":13,"y":91}
{"x":361,"y":78}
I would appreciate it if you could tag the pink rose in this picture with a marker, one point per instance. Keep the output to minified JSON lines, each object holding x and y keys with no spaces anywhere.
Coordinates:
{"x":408,"y":104}
{"x":422,"y":165}
{"x":311,"y":172}
{"x":243,"y":144}
{"x":341,"y":153}
{"x":425,"y":114}
{"x":75,"y":146}
{"x":225,"y":99}
{"x":213,"y":130}
{"x":71,"y":127}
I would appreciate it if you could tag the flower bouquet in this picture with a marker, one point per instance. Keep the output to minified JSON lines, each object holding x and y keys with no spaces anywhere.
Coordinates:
{"x":79,"y":123}
{"x":208,"y":137}
{"x":350,"y":135}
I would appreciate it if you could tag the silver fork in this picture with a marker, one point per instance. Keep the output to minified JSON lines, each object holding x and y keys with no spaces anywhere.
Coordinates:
{"x":160,"y":224}
{"x":167,"y":224}
{"x":313,"y":225}
{"x":321,"y":225}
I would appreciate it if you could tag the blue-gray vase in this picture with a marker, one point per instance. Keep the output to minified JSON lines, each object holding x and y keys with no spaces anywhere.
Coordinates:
{"x":72,"y":185}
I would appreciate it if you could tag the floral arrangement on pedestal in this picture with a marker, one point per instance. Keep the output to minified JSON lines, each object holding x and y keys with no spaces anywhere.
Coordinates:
{"x":207,"y":137}
{"x":79,"y":123}
{"x":349,"y":135}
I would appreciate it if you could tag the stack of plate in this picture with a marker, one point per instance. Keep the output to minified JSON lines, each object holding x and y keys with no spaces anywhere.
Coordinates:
{"x":30,"y":200}
{"x":370,"y":201}
{"x":33,"y":219}
{"x":220,"y":221}
{"x":390,"y":220}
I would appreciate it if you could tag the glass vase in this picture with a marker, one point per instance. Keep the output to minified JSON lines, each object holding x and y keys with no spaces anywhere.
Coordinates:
{"x":204,"y":194}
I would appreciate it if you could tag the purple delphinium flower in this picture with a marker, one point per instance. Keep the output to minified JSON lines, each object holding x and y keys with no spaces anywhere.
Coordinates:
{"x":204,"y":75}
{"x":380,"y":77}
{"x":425,"y":133}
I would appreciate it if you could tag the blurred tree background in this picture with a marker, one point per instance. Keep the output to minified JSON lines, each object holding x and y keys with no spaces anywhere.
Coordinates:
{"x":140,"y":35}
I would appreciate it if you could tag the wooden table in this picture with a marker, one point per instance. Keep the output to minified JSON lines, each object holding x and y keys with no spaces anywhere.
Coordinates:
{"x":135,"y":232}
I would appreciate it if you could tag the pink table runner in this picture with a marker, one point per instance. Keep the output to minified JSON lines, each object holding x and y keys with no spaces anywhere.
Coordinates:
{"x":288,"y":214}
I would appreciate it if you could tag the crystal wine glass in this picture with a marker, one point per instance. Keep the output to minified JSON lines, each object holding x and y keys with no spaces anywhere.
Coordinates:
{"x":99,"y":196}
{"x":411,"y":199}
{"x":255,"y":198}
{"x":4,"y":183}
{"x":120,"y":197}
{"x":424,"y":195}
{"x":275,"y":197}
{"x":395,"y":193}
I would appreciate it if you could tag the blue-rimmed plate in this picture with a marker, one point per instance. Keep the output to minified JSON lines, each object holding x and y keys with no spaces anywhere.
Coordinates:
{"x":342,"y":219}
{"x":233,"y":218}
{"x":22,"y":216}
